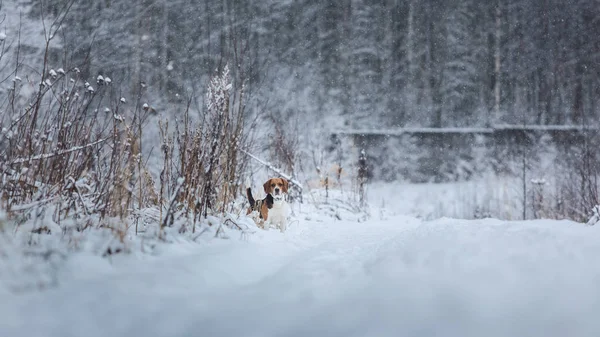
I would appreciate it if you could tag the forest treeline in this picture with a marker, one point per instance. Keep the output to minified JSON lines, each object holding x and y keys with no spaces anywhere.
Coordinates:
{"x":372,"y":63}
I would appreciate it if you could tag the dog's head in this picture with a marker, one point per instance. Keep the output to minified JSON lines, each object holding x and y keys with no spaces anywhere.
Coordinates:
{"x":276,"y":187}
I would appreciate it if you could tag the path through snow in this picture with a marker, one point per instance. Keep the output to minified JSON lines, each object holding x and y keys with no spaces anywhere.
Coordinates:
{"x":394,"y":277}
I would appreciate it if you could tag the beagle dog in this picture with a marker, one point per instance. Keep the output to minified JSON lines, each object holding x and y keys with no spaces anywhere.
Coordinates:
{"x":273,"y":209}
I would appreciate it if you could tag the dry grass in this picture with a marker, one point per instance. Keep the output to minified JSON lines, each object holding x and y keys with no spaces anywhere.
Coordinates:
{"x":204,"y":156}
{"x":69,"y":146}
{"x":72,"y":152}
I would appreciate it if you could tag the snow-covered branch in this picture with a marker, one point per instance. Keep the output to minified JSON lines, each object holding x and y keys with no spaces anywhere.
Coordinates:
{"x":274,"y":169}
{"x":169,"y":214}
{"x":58,"y":153}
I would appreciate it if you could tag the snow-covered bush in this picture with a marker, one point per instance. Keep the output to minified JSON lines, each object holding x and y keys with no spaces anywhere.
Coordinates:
{"x":577,"y":175}
{"x":70,"y":156}
{"x":204,"y":157}
{"x":595,"y":218}
{"x":72,"y":164}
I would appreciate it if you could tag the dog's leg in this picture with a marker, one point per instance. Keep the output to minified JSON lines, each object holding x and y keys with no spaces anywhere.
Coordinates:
{"x":283,"y":225}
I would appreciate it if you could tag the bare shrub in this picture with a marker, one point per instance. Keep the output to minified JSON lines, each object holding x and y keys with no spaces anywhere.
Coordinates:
{"x":71,"y":157}
{"x":204,"y":155}
{"x":70,"y":146}
{"x":578,"y":179}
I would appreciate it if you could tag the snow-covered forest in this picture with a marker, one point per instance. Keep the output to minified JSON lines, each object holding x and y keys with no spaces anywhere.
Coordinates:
{"x":364,"y":63}
{"x":413,"y":135}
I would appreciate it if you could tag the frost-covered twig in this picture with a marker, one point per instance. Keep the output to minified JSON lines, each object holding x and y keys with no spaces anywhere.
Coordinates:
{"x":233,"y":222}
{"x":595,"y":216}
{"x":85,"y":208}
{"x":23,"y":207}
{"x":168,"y":215}
{"x":200,"y":234}
{"x":59,"y":153}
{"x":273,"y":168}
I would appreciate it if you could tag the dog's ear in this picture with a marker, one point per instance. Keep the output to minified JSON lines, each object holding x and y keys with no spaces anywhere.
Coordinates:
{"x":269,"y":201}
{"x":267,"y":186}
{"x":285,"y":185}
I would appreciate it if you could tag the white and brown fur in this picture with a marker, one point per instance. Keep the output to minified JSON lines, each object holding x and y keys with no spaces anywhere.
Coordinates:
{"x":273,"y":209}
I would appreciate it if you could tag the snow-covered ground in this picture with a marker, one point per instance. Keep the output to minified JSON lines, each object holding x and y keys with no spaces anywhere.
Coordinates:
{"x":497,"y":197}
{"x":391,"y":275}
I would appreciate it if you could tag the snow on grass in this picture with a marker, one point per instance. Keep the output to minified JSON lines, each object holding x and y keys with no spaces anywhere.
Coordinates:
{"x":333,"y":275}
{"x":496,"y":197}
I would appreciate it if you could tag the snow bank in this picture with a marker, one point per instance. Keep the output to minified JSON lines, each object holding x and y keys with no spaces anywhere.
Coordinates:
{"x":386,"y":276}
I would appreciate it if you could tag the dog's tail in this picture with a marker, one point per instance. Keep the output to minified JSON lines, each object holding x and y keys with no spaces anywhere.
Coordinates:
{"x":250,"y":197}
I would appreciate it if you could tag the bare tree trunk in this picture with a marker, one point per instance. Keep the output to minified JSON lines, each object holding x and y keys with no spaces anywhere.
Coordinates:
{"x":137,"y":50}
{"x":497,"y":64}
{"x":410,"y":40}
{"x":524,"y":181}
{"x":362,"y":176}
{"x":164,"y":71}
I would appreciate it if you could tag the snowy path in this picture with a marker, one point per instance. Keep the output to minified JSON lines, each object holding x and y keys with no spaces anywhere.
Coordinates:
{"x":396,"y":277}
